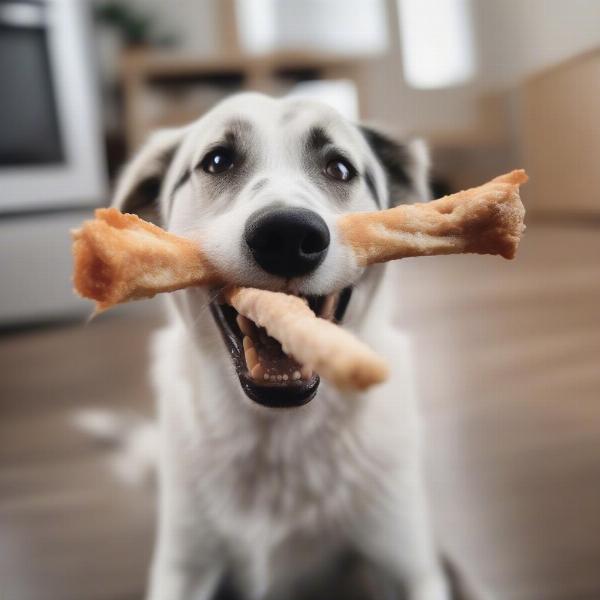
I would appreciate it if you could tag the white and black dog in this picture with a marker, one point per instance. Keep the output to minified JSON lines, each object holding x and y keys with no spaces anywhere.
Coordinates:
{"x":272,"y":484}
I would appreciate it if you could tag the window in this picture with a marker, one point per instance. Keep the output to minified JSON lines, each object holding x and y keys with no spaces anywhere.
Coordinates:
{"x":437,"y":42}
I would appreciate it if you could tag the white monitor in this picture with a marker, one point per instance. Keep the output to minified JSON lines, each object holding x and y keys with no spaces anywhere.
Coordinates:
{"x":50,"y":144}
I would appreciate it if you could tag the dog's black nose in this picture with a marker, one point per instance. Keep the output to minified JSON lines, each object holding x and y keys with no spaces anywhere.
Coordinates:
{"x":287,"y":241}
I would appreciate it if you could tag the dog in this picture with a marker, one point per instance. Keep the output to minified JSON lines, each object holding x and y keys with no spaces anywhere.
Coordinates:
{"x":269,"y":485}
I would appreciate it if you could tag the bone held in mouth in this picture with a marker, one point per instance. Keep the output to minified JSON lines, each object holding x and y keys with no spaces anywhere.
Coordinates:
{"x":316,"y":343}
{"x":119,"y":257}
{"x":484,"y":220}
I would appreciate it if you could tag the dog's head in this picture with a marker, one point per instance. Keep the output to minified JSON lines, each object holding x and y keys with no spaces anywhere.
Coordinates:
{"x":259,"y":183}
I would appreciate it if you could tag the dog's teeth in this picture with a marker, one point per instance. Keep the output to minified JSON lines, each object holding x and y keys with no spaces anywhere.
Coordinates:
{"x":296,"y":375}
{"x":244,"y":324}
{"x":248,"y":343}
{"x":251,"y":358}
{"x":285,"y":377}
{"x":327,"y":311}
{"x":279,"y":377}
{"x":306,"y":373}
{"x":266,"y":377}
{"x":258,"y":372}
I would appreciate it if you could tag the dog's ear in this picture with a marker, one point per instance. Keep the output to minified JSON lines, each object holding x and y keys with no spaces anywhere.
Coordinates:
{"x":406,"y":165}
{"x":138,"y":187}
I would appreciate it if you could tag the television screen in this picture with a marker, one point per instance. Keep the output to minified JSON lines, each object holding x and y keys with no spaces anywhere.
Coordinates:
{"x":29,"y":127}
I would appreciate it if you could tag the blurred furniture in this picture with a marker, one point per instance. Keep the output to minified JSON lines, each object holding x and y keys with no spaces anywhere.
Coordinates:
{"x":50,"y":147}
{"x":36,"y":263}
{"x":51,"y":163}
{"x":561,"y":137}
{"x":166,"y":88}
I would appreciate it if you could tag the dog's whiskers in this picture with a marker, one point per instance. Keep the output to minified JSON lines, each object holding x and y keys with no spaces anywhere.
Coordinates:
{"x":204,"y":306}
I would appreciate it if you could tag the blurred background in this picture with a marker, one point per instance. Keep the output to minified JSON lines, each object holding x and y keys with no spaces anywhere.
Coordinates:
{"x":507,"y":353}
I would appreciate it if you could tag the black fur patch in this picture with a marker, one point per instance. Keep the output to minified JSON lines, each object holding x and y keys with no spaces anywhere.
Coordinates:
{"x":143,"y":198}
{"x":238,"y":131}
{"x":145,"y":194}
{"x":394,"y":159}
{"x":317,"y":139}
{"x":372,"y":188}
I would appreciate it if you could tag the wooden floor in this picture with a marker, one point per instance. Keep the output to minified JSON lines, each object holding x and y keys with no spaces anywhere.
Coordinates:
{"x":68,"y":530}
{"x":508,"y":363}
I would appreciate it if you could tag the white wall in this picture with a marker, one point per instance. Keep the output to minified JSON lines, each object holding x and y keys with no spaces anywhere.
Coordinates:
{"x":518,"y":38}
{"x":514,"y":39}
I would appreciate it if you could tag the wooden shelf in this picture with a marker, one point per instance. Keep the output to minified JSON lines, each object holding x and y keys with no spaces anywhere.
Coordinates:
{"x":265,"y":73}
{"x":176,"y":63}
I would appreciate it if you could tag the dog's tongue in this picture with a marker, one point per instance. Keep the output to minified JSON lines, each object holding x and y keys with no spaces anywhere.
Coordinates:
{"x":265,"y":359}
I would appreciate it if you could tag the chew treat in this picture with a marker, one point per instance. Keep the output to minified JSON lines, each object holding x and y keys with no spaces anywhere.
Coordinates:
{"x":120,"y":257}
{"x":315,"y":343}
{"x":482,"y":220}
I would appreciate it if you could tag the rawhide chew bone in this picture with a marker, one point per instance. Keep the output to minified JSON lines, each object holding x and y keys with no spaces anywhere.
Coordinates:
{"x":316,"y":343}
{"x":120,"y":257}
{"x":482,"y":220}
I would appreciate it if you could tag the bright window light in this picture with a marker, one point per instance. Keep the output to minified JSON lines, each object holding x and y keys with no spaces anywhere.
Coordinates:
{"x":341,"y":94}
{"x":333,"y":26}
{"x":437,"y":42}
{"x":256,"y":25}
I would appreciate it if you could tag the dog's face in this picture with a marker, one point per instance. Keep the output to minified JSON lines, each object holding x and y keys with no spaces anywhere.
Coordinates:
{"x":259,"y":183}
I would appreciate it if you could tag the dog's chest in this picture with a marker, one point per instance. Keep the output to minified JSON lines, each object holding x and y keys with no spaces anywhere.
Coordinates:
{"x":285,"y":476}
{"x":283,"y":495}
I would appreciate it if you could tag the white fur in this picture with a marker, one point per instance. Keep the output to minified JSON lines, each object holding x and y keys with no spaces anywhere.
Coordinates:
{"x":270,"y":495}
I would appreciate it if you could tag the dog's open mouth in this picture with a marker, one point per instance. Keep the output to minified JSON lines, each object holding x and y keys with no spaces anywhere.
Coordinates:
{"x":267,"y":375}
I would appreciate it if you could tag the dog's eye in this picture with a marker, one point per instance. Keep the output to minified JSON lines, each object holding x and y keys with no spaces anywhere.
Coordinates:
{"x":218,"y":161}
{"x":340,"y":169}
